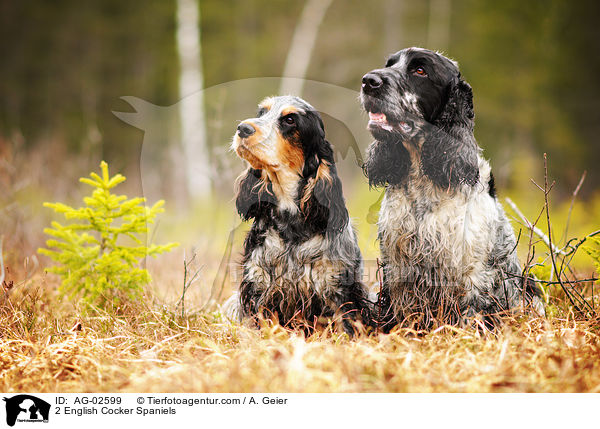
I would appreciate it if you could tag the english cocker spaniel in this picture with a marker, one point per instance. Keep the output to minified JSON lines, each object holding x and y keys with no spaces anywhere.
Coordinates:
{"x":301,"y":262}
{"x":448,"y":249}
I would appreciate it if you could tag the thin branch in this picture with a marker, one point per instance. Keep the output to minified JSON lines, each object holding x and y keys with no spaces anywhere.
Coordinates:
{"x":555,"y":282}
{"x":550,"y":246}
{"x":517,"y":242}
{"x":530,"y":253}
{"x":187,"y":283}
{"x":532,"y":227}
{"x":571,"y":253}
{"x":574,"y":248}
{"x":580,"y":298}
{"x":575,"y":192}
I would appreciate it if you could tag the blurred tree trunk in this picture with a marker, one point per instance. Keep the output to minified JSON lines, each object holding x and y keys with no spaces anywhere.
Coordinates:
{"x":191,"y":105}
{"x":302,"y":45}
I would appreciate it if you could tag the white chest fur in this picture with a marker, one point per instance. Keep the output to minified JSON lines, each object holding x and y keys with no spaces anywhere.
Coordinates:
{"x":450,"y":232}
{"x":304,"y":269}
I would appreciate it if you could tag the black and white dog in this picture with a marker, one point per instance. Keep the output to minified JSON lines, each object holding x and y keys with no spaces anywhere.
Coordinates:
{"x":301,"y":260}
{"x":448,"y":249}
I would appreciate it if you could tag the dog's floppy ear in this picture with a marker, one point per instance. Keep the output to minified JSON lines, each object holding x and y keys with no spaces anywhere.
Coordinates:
{"x":322,"y":199}
{"x":448,"y":160}
{"x":449,"y":153}
{"x":387,"y":163}
{"x":252,"y":194}
{"x":458,"y":109}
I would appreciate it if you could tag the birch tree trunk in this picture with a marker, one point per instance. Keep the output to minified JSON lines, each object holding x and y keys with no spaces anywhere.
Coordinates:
{"x":302,"y":45}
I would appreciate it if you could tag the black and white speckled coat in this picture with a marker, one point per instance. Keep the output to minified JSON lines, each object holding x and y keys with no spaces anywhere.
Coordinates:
{"x":448,"y":249}
{"x":301,"y":262}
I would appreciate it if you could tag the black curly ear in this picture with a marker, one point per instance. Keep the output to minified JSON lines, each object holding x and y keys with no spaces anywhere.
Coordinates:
{"x":458,"y":110}
{"x":322,"y":200}
{"x":449,"y":153}
{"x":253,"y":196}
{"x":329,"y":193}
{"x":387,"y":163}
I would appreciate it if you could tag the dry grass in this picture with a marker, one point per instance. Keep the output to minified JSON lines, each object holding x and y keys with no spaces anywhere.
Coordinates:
{"x":149,"y":347}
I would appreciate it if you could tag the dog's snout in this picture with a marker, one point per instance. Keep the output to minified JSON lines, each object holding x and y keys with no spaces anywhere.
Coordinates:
{"x":371,"y":81}
{"x":245,"y":130}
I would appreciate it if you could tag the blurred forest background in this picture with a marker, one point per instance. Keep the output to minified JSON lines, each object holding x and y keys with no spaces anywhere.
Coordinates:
{"x":533,"y":65}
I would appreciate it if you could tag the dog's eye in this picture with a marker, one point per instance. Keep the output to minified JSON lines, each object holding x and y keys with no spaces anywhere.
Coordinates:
{"x":420,"y":71}
{"x":261,"y":112}
{"x":289,"y":120}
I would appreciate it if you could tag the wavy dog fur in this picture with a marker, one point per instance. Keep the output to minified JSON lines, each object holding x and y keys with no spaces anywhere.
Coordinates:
{"x":301,"y":260}
{"x":448,"y":249}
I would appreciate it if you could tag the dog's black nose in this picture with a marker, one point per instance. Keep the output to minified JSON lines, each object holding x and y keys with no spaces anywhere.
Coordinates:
{"x":245,"y":130}
{"x":371,"y":81}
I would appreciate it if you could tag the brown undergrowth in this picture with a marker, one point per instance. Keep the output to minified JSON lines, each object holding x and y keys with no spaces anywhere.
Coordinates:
{"x":50,"y":346}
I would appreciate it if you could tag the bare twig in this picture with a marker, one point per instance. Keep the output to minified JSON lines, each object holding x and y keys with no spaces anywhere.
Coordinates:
{"x":562,"y":257}
{"x":575,"y":192}
{"x":580,"y":297}
{"x":552,"y":282}
{"x":569,"y":281}
{"x":574,"y":248}
{"x":531,"y":248}
{"x":550,"y":246}
{"x":571,"y":254}
{"x":532,"y":227}
{"x":517,"y":242}
{"x":29,"y":271}
{"x":187,"y":283}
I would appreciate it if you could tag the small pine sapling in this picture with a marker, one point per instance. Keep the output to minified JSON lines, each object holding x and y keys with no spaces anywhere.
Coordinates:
{"x":98,"y":255}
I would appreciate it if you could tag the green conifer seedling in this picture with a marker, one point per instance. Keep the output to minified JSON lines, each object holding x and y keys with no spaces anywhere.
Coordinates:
{"x":92,"y":253}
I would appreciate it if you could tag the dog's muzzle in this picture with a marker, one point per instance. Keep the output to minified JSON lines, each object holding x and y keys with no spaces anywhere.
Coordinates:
{"x":371,"y":82}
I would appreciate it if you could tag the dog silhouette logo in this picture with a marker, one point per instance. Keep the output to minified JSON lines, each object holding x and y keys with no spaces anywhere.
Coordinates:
{"x":26,"y":408}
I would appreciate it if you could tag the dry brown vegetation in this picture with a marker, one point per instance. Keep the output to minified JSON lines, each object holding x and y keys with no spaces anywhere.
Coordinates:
{"x":48,"y":345}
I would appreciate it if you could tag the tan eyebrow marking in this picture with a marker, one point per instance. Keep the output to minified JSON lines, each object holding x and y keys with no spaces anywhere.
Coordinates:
{"x":288,"y":110}
{"x":267,"y":103}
